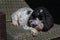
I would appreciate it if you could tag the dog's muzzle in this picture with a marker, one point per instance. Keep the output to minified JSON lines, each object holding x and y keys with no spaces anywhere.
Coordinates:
{"x":36,"y":29}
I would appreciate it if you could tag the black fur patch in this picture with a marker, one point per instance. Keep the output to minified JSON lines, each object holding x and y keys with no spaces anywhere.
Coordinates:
{"x":28,"y":12}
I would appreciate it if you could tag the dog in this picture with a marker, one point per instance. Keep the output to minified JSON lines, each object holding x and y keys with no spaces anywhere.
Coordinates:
{"x":21,"y":16}
{"x":34,"y":20}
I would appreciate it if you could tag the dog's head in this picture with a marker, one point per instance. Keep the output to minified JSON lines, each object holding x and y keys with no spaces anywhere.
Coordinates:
{"x":36,"y":24}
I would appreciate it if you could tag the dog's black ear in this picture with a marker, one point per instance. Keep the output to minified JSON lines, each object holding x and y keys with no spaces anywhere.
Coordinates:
{"x":28,"y":12}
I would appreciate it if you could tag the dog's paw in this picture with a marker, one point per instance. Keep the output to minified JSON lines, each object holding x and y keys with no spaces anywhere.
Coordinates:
{"x":34,"y":32}
{"x":14,"y":23}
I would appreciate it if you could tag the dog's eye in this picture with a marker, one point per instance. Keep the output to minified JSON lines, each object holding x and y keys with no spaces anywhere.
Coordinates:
{"x":28,"y":12}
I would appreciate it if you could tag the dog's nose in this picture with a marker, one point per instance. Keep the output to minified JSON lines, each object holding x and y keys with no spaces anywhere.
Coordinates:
{"x":33,"y":25}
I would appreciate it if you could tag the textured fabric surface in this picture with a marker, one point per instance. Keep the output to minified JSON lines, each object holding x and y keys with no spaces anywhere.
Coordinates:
{"x":3,"y":26}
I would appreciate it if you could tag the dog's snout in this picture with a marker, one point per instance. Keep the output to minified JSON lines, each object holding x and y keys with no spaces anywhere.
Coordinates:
{"x":33,"y":25}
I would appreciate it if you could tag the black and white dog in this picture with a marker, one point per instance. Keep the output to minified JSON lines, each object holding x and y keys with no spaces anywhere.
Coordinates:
{"x":21,"y":16}
{"x":39,"y":19}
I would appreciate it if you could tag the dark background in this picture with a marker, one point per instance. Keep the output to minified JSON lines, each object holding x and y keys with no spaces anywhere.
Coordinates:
{"x":53,"y":7}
